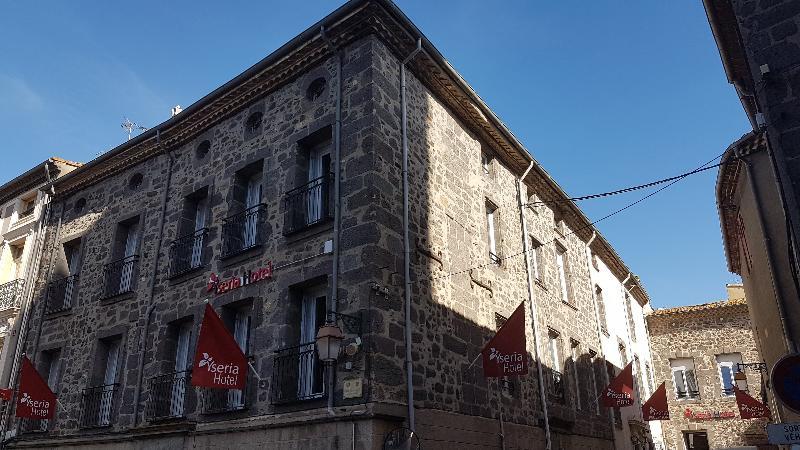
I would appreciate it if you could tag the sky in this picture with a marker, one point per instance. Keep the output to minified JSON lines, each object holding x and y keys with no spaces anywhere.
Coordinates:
{"x":603,"y":94}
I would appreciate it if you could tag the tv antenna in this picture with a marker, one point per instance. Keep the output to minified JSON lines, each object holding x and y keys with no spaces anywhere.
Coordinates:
{"x":129,"y":126}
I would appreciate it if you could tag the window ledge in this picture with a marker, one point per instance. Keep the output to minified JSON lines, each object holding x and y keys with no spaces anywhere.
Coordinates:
{"x":56,"y":314}
{"x":241,"y":256}
{"x":117,"y":298}
{"x":186,"y":275}
{"x":541,"y":284}
{"x":570,"y":305}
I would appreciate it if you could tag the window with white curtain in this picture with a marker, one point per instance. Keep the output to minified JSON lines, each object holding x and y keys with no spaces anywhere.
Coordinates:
{"x":684,"y":378}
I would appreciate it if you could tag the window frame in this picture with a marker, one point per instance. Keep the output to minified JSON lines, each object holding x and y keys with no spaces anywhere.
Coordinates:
{"x":562,"y":267}
{"x":680,"y":365}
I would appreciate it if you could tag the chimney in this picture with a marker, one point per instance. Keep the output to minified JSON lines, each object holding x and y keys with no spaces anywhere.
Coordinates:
{"x":175,"y":110}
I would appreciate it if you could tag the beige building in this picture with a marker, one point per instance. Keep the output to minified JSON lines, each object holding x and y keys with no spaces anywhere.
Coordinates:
{"x":23,"y":209}
{"x":698,"y":350}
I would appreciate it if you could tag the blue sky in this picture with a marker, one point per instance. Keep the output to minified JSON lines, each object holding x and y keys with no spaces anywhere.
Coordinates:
{"x":604,"y":94}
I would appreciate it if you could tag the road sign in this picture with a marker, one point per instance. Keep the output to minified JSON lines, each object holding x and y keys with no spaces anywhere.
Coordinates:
{"x":784,"y":433}
{"x":786,"y":381}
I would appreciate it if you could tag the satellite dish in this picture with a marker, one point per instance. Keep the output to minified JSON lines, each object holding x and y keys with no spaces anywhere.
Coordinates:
{"x":401,"y":439}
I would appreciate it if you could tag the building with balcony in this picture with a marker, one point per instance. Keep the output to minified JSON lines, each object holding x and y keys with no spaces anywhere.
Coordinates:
{"x":698,"y":351}
{"x":279,"y":199}
{"x":23,"y":207}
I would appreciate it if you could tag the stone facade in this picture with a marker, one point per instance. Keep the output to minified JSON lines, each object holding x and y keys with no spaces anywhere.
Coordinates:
{"x":701,"y":334}
{"x":262,"y":128}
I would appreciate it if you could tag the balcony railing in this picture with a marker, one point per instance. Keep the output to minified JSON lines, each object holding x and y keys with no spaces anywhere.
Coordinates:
{"x":11,"y":293}
{"x":61,"y":294}
{"x":297,"y":375}
{"x":120,"y":276}
{"x":25,"y":425}
{"x":215,"y":401}
{"x":309,"y":204}
{"x":28,"y":212}
{"x":688,"y":394}
{"x":555,"y":386}
{"x":186,"y":252}
{"x":245,"y":230}
{"x":168,"y":396}
{"x":97,"y":406}
{"x":729,"y":391}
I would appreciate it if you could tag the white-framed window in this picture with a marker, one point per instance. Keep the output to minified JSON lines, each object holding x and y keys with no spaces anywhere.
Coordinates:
{"x":601,"y":309}
{"x":555,"y":354}
{"x":486,"y":165}
{"x":562,"y":265}
{"x":727,"y":366}
{"x":594,"y":398}
{"x":491,"y":230}
{"x":536,"y":259}
{"x":684,"y":379}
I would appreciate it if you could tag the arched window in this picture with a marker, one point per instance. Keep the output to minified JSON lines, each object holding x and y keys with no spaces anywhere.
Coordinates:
{"x":316,"y":89}
{"x":253,"y":123}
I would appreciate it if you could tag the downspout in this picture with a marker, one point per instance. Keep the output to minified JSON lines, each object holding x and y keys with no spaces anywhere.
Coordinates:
{"x":152,"y":305}
{"x":406,"y":239}
{"x":788,"y":340}
{"x":600,"y":350}
{"x":337,"y":210}
{"x":28,"y":291}
{"x":534,"y":314}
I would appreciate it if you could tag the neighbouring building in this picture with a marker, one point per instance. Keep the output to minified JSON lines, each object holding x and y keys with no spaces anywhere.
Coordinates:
{"x":286,"y":186}
{"x":22,"y":211}
{"x":758,"y":187}
{"x":698,"y":351}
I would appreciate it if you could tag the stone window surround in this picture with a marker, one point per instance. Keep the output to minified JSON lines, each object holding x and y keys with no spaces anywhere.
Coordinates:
{"x":683,"y":365}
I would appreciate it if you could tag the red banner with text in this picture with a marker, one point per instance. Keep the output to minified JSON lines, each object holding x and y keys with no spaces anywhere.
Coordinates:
{"x":218,"y":361}
{"x":506,"y":354}
{"x":620,"y":391}
{"x":655,"y":408}
{"x":36,"y":400}
{"x":749,"y":408}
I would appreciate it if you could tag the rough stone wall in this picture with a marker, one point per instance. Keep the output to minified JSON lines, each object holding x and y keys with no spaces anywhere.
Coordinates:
{"x":454,"y":300}
{"x":701,"y":335}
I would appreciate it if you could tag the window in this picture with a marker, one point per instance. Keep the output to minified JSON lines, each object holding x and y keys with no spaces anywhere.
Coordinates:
{"x":631,"y":321}
{"x":98,"y":401}
{"x":637,"y":379}
{"x":135,"y":182}
{"x":594,"y":398}
{"x":186,"y":252}
{"x":310,"y":202}
{"x":253,"y":123}
{"x":728,"y":366}
{"x":239,"y":324}
{"x":574,"y":350}
{"x":486,"y":165}
{"x":506,"y":383}
{"x":202,"y":149}
{"x":563,"y":278}
{"x":245,"y":229}
{"x":27,"y":206}
{"x":611,"y":372}
{"x":491,"y":230}
{"x":595,"y":261}
{"x":316,"y":89}
{"x":623,"y":353}
{"x":80,"y":205}
{"x":555,"y":381}
{"x":552,"y":346}
{"x":122,"y":273}
{"x":684,"y":379}
{"x":601,"y":309}
{"x":536,"y":260}
{"x":51,"y":372}
{"x":168,"y":391}
{"x":62,"y":291}
{"x":533,"y":201}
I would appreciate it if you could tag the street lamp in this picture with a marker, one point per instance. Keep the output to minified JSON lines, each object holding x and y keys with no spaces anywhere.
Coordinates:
{"x":740,"y":378}
{"x":328,"y":342}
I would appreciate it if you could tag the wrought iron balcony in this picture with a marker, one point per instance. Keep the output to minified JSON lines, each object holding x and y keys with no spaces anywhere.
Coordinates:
{"x":28,"y":212}
{"x":309,"y":204}
{"x":216,"y":401}
{"x":61,"y":293}
{"x":297,"y":375}
{"x":186,"y":253}
{"x":244,"y":231}
{"x":11,"y":294}
{"x":120,"y":276}
{"x":687,"y":394}
{"x":97,"y":406}
{"x":168,"y":396}
{"x":555,"y":386}
{"x":26,"y":426}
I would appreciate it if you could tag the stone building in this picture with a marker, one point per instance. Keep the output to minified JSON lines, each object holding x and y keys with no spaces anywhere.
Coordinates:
{"x":697,"y":350}
{"x":297,"y":166}
{"x":23,"y":208}
{"x":757,"y":191}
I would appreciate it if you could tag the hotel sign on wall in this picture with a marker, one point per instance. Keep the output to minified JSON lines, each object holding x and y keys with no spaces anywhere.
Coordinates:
{"x":221,"y":286}
{"x":708,"y":415}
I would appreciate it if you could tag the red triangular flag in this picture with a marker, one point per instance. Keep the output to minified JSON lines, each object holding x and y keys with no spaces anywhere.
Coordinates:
{"x":218,"y":362}
{"x":749,"y":408}
{"x":36,"y":400}
{"x":5,"y":394}
{"x":620,"y":391}
{"x":655,"y":408}
{"x":506,"y":354}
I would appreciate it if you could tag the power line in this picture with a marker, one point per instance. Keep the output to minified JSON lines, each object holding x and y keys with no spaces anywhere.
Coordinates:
{"x":674,"y":180}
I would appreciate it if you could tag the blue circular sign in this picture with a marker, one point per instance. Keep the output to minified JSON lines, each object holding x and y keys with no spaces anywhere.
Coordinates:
{"x":786,"y":381}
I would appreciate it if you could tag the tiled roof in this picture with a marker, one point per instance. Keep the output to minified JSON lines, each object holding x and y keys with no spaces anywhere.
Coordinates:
{"x":65,"y":161}
{"x":701,"y":307}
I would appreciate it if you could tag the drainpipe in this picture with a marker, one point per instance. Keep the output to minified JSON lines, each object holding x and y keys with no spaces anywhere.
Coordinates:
{"x":337,"y":210}
{"x":152,"y":305}
{"x":534,"y":315}
{"x":785,"y":327}
{"x":31,"y":273}
{"x":406,"y":239}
